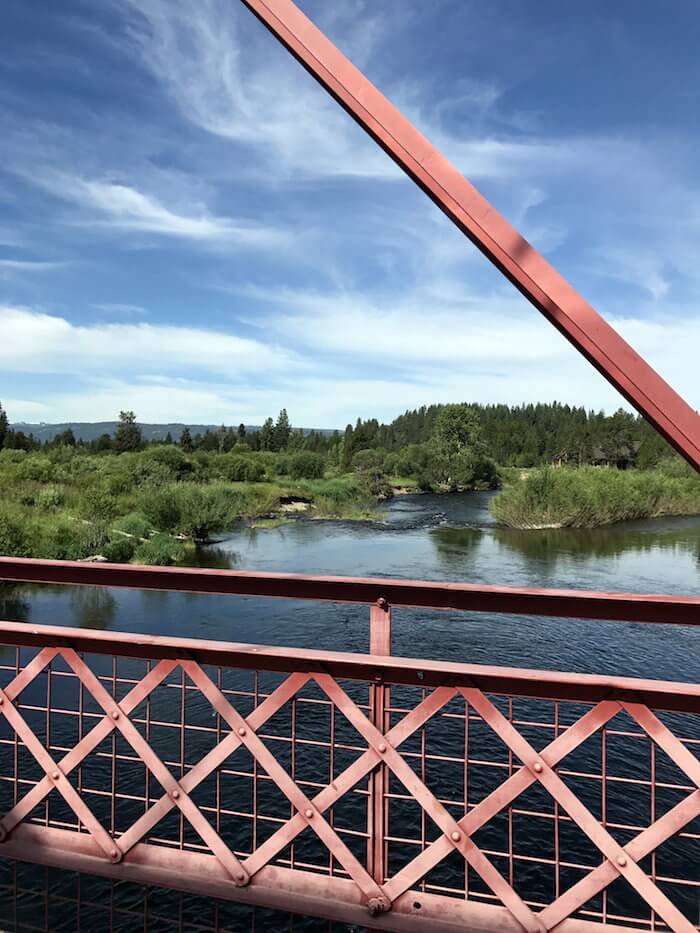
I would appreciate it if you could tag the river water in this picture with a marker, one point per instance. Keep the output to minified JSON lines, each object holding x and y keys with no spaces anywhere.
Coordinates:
{"x":417,"y":537}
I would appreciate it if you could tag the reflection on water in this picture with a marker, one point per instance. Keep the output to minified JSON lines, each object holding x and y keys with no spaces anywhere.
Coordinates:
{"x":553,"y":543}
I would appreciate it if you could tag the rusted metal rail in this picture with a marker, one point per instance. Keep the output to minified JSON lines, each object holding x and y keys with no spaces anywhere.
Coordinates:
{"x":409,"y":794}
{"x":491,"y":233}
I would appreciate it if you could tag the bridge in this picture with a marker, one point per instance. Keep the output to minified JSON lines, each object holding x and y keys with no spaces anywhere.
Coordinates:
{"x":363,"y":788}
{"x":408,"y":794}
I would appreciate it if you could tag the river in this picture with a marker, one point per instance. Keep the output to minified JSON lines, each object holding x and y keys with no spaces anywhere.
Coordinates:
{"x":418,"y":537}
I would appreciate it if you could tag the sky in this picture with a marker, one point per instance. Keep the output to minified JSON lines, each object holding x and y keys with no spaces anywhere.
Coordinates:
{"x":192,"y":229}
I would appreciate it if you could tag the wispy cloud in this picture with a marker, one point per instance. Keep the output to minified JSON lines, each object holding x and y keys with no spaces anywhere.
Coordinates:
{"x":120,"y":308}
{"x":28,"y":265}
{"x":250,"y":92}
{"x":123,"y":207}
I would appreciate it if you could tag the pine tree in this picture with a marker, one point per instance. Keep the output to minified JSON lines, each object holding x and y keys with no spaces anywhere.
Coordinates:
{"x":4,"y":426}
{"x":127,"y":437}
{"x":267,"y":434}
{"x":186,"y":440}
{"x":283,"y":429}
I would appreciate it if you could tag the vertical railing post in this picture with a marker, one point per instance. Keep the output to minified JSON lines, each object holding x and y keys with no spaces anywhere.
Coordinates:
{"x":377,"y":816}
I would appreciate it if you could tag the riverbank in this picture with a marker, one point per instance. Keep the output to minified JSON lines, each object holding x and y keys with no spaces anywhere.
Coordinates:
{"x":591,"y":497}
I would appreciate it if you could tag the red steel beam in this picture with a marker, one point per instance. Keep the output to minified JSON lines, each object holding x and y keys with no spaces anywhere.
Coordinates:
{"x":571,"y":604}
{"x":297,"y":891}
{"x":522,"y":682}
{"x":517,"y":259}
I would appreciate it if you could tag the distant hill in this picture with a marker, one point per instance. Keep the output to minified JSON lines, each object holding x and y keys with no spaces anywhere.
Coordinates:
{"x":90,"y":431}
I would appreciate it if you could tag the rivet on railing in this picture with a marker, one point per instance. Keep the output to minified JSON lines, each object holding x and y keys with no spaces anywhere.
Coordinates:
{"x":115,"y":855}
{"x":2,"y":700}
{"x":456,"y":836}
{"x":383,"y":603}
{"x":242,"y":730}
{"x":115,"y":714}
{"x":242,"y":878}
{"x":308,"y":814}
{"x":55,"y":775}
{"x":621,"y":861}
{"x":537,"y":766}
{"x":376,"y":906}
{"x":381,"y":747}
{"x":176,"y":795}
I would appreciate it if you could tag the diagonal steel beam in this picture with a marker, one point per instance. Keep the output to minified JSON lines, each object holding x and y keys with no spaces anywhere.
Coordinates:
{"x":519,"y":262}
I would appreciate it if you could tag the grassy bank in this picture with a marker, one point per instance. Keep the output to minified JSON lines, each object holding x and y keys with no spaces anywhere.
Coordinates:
{"x":153,"y":506}
{"x":589,"y":497}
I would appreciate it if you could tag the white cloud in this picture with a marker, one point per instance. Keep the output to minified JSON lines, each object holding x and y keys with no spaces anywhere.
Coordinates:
{"x":42,"y":343}
{"x":123,"y":207}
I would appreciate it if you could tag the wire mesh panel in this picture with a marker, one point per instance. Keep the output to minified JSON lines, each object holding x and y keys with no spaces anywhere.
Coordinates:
{"x":258,"y":785}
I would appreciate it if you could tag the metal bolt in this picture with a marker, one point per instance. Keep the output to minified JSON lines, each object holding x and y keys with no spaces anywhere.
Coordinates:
{"x":242,"y":730}
{"x":115,"y":714}
{"x":456,"y":836}
{"x":241,"y":877}
{"x":538,"y":766}
{"x":381,"y":747}
{"x":2,"y":700}
{"x":308,"y":814}
{"x":55,"y":775}
{"x":176,"y":794}
{"x":114,"y":853}
{"x":621,"y":861}
{"x":420,"y":675}
{"x":382,"y":603}
{"x":375,"y":906}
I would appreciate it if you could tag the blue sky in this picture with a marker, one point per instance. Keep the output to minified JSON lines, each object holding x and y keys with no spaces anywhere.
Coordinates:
{"x":191,"y":228}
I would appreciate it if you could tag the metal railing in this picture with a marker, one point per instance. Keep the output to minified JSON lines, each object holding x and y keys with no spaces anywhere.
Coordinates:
{"x":409,"y":794}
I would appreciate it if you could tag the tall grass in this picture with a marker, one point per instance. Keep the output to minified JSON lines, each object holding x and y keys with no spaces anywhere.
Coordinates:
{"x":591,"y":496}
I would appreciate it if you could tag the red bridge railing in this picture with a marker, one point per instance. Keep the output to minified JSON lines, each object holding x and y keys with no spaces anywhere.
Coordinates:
{"x":424,"y":795}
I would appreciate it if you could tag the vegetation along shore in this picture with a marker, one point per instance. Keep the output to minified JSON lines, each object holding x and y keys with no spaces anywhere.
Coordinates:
{"x":120,"y":498}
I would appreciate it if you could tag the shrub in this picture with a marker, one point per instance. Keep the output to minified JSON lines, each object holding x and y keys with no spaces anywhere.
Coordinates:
{"x":65,"y":540}
{"x":205,"y":509}
{"x":119,"y":550}
{"x":14,"y":540}
{"x":50,"y":497}
{"x":97,"y":504}
{"x":160,"y":508}
{"x":243,"y":470}
{"x":306,"y":465}
{"x":133,"y":523}
{"x":162,"y":550}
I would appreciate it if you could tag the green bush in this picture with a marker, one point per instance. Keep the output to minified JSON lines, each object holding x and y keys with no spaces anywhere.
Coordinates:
{"x":247,"y":469}
{"x":119,"y":550}
{"x":14,"y":540}
{"x":160,"y":508}
{"x":50,"y":497}
{"x":593,"y":496}
{"x":133,"y":523}
{"x":162,"y":550}
{"x":98,"y":504}
{"x":306,"y":465}
{"x":205,"y":509}
{"x":65,"y":540}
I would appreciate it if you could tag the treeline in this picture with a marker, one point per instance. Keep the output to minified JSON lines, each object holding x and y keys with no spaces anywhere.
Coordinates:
{"x":514,"y":436}
{"x":527,"y":435}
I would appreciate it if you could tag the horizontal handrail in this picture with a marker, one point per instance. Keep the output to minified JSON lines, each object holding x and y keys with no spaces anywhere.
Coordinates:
{"x":579,"y":604}
{"x":386,"y":670}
